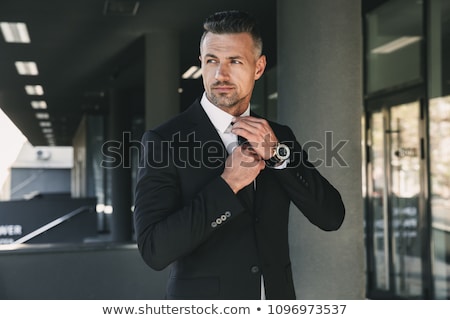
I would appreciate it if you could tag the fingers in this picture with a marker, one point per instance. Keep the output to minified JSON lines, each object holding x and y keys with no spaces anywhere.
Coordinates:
{"x":246,"y":156}
{"x":259,"y":134}
{"x":251,"y":124}
{"x":242,"y":167}
{"x":254,"y":129}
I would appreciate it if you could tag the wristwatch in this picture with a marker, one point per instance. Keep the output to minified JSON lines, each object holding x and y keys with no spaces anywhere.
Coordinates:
{"x":282,"y":153}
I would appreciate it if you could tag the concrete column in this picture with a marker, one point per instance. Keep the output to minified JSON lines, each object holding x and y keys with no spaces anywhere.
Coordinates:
{"x":118,"y":124}
{"x":162,"y":77}
{"x":320,"y":98}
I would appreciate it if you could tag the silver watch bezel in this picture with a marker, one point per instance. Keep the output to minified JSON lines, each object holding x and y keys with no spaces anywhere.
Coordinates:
{"x":277,"y":152}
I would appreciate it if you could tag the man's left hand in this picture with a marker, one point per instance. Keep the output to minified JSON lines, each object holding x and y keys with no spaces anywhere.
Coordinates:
{"x":258,"y":133}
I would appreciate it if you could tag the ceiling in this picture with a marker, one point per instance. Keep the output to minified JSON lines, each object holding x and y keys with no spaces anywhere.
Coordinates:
{"x":79,"y":49}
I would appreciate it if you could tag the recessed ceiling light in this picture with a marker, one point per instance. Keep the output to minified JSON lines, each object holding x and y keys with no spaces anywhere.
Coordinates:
{"x":34,"y":90}
{"x":39,"y":104}
{"x":27,"y":68}
{"x":395,"y":45}
{"x":273,"y":96}
{"x":15,"y":32}
{"x":190,"y":72}
{"x":42,"y":115}
{"x":198,"y":74}
{"x":45,"y":124}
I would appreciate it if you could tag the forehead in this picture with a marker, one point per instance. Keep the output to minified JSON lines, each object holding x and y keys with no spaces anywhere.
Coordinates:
{"x":228,"y":43}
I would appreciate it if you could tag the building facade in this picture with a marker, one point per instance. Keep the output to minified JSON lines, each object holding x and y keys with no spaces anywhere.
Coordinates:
{"x":407,"y":150}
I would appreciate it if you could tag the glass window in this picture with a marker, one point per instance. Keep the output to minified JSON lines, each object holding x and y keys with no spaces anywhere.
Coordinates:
{"x":439,"y":48}
{"x":394,"y":37}
{"x":439,"y":117}
{"x":405,"y":191}
{"x":439,"y":113}
{"x":378,"y":201}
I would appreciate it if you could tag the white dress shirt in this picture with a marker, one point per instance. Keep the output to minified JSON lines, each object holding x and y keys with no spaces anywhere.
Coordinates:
{"x":221,"y":120}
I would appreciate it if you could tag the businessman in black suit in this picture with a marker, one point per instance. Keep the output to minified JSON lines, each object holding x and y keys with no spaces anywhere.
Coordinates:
{"x":212,"y":208}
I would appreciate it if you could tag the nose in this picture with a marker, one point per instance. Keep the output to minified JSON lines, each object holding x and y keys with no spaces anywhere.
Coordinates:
{"x":222,"y":72}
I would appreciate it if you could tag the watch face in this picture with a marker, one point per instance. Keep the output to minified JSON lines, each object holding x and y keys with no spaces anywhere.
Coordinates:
{"x":283,"y":152}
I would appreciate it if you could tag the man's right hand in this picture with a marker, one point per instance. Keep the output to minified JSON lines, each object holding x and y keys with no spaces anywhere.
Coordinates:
{"x":242,"y":167}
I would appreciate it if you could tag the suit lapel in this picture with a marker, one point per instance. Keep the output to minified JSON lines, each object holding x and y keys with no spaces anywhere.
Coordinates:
{"x":209,"y":145}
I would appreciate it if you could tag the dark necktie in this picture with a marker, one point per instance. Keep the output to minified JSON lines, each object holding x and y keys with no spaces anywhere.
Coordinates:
{"x":241,"y":140}
{"x":247,"y":194}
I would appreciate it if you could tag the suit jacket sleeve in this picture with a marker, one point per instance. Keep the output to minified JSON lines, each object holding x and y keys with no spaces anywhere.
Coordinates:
{"x":316,"y":198}
{"x":167,"y":228}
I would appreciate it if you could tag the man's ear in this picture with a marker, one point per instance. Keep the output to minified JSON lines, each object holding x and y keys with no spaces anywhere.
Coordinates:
{"x":260,"y":67}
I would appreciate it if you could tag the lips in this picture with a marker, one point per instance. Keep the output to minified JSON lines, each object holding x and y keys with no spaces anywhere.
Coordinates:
{"x":223,"y":88}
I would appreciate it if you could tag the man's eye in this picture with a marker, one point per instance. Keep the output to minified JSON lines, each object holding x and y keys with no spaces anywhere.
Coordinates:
{"x":235,"y":62}
{"x":211,"y":61}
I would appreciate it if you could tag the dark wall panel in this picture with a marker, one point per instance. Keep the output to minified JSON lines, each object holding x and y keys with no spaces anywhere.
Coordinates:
{"x":86,"y":272}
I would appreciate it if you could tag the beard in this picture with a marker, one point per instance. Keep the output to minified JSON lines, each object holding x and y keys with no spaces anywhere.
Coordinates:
{"x":224,"y":100}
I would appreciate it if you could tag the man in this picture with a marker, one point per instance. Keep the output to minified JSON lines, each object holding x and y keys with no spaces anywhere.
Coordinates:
{"x":215,"y":210}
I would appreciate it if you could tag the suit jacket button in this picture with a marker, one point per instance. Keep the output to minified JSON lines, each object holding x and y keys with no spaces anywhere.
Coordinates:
{"x":228,"y":214}
{"x":218,"y":221}
{"x":213,"y":224}
{"x":254,"y":269}
{"x":223,"y":217}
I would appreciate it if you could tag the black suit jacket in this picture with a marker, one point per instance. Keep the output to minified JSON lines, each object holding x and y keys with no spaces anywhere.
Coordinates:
{"x":186,"y":215}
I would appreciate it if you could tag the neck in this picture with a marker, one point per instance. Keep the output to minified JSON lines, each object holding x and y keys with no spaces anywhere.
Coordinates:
{"x":235,"y":111}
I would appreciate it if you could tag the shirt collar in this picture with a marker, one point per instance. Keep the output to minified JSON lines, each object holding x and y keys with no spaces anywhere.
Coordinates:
{"x":219,"y":118}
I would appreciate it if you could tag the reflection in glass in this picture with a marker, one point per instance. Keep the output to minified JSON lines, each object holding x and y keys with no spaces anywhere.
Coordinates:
{"x":439,"y":113}
{"x":405,"y":191}
{"x":394,"y":44}
{"x":378,"y":201}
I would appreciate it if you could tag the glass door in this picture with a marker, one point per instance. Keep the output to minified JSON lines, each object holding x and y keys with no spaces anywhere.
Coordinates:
{"x":405,"y":198}
{"x":395,"y":201}
{"x":378,"y":236}
{"x":439,"y":115}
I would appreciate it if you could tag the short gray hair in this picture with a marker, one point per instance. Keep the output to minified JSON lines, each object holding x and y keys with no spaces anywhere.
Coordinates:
{"x":233,"y":21}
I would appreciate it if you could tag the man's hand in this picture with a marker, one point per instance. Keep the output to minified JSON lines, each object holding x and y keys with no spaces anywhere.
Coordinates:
{"x":242,"y":167}
{"x":258,"y":133}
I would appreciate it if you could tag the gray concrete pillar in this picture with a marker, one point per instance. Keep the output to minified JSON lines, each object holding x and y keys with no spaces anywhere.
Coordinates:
{"x":320,"y":98}
{"x":119,"y":123}
{"x":162,"y":77}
